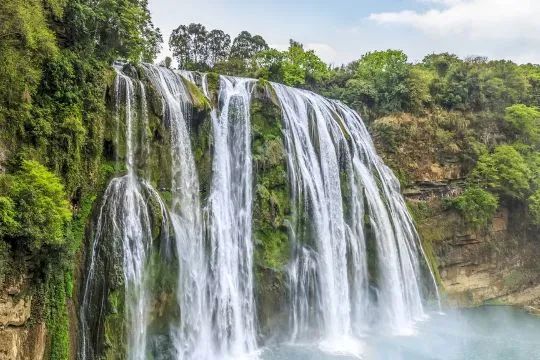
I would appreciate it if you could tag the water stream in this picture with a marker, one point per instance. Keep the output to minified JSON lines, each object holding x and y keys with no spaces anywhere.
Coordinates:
{"x":347,"y":213}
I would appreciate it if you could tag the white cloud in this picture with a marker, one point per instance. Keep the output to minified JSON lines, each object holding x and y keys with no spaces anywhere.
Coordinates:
{"x":326,"y":52}
{"x":474,"y":19}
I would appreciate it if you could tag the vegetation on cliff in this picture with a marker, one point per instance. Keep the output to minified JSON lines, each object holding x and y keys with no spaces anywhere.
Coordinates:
{"x":480,"y":116}
{"x":56,"y":57}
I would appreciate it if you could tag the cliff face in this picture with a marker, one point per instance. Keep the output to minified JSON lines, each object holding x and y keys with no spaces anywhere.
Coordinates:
{"x":496,"y":263}
{"x":20,"y":336}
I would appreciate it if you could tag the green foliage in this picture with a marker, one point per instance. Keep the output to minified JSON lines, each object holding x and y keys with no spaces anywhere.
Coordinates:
{"x":418,"y":83}
{"x":379,"y":84}
{"x":42,"y":214}
{"x":272,"y":203}
{"x":26,"y":42}
{"x":534,"y":207}
{"x":294,"y":67}
{"x":525,"y":122}
{"x":57,"y":319}
{"x":246,"y":46}
{"x":8,"y":222}
{"x":476,"y":205}
{"x":504,"y":171}
{"x":195,"y":48}
{"x":112,"y":29}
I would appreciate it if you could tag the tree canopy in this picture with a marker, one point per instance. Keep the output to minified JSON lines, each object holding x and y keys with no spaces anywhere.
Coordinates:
{"x":196,"y":48}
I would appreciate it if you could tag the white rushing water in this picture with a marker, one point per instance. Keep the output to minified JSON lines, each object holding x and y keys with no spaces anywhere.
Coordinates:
{"x":325,"y":140}
{"x":192,"y":335}
{"x":346,"y":209}
{"x":229,"y":211}
{"x":124,"y":220}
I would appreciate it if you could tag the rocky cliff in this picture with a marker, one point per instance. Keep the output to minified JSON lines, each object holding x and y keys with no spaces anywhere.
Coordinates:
{"x":21,"y":337}
{"x":496,"y":263}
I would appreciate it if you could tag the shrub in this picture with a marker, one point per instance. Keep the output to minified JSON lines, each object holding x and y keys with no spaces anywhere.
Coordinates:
{"x":476,"y":205}
{"x":525,"y":121}
{"x":8,"y":224}
{"x":36,"y":210}
{"x":534,"y":207}
{"x":505,"y":171}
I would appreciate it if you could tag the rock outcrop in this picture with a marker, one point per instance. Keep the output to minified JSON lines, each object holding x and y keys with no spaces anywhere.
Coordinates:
{"x":20,"y":338}
{"x":493,"y":265}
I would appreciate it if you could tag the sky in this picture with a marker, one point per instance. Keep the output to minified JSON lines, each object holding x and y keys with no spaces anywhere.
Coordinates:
{"x":342,"y":30}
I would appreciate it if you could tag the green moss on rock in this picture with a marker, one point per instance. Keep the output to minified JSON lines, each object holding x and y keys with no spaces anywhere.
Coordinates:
{"x":271,"y":208}
{"x":201,"y":143}
{"x":272,"y":204}
{"x":198,"y":99}
{"x":115,"y":331}
{"x":212,"y":79}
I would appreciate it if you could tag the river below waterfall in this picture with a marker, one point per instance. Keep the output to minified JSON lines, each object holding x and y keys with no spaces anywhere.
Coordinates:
{"x":491,"y":332}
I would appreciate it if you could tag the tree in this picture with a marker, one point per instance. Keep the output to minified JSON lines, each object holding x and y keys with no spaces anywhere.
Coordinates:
{"x":505,"y":171}
{"x":476,"y":205}
{"x":188,"y":44}
{"x":198,"y":37}
{"x":294,"y":67}
{"x":36,"y":208}
{"x":303,"y":66}
{"x":418,"y":83}
{"x":197,"y":49}
{"x":112,"y":28}
{"x":219,"y":45}
{"x":441,"y":63}
{"x":525,"y":121}
{"x":179,"y":43}
{"x":379,"y":86}
{"x":245,"y":46}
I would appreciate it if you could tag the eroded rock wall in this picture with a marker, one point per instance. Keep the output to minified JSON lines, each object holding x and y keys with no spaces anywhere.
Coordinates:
{"x":20,"y":336}
{"x":497,"y":263}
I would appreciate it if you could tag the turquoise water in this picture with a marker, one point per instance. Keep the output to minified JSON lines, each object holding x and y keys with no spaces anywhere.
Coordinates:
{"x":487,"y":333}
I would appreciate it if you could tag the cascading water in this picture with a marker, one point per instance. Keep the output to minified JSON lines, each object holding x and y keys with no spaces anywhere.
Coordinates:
{"x":125,"y":222}
{"x":347,"y":211}
{"x":315,"y":177}
{"x":325,"y":141}
{"x":193,"y":333}
{"x":230,"y":220}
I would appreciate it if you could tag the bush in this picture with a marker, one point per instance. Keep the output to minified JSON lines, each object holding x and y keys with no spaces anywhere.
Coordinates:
{"x":525,"y":121}
{"x":505,"y":171}
{"x":8,"y":224}
{"x":36,"y":210}
{"x":534,"y":207}
{"x":476,"y":205}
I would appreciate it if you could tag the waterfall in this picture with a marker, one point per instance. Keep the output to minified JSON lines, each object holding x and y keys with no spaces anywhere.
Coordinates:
{"x":355,"y":263}
{"x":315,"y":177}
{"x":230,"y":221}
{"x":193,"y":333}
{"x":123,"y":226}
{"x":337,"y":180}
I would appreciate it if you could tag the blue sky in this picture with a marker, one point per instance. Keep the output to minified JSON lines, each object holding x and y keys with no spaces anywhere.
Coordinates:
{"x":342,"y":30}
